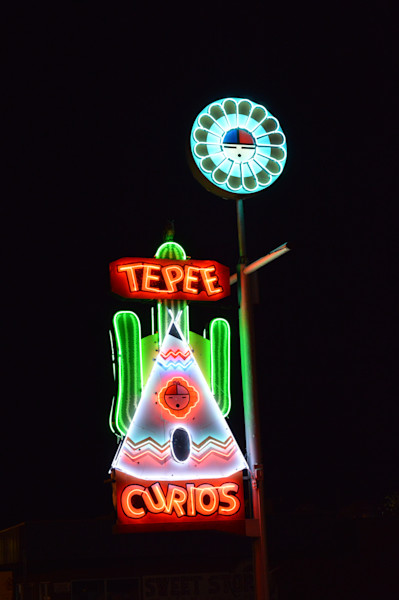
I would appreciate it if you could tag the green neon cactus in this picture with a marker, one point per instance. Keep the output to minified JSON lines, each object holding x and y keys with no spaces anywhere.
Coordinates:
{"x":134,"y":356}
{"x":130,"y":371}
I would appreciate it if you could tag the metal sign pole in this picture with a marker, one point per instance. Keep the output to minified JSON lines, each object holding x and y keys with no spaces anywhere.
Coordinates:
{"x":251,"y":410}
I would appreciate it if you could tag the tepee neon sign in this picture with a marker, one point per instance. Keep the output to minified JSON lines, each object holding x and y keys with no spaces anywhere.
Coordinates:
{"x":146,"y":278}
{"x":178,"y":460}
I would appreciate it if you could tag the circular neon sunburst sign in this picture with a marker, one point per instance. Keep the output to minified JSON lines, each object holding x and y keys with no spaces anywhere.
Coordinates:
{"x":238,"y":147}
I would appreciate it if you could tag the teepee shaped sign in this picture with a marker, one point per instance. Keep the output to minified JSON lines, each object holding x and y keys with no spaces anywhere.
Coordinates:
{"x":178,"y":460}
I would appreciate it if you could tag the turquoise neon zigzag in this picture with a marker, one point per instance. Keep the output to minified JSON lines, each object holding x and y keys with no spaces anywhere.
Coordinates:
{"x":178,"y":364}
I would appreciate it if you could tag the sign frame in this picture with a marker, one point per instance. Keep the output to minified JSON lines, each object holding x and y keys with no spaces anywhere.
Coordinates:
{"x":139,"y":278}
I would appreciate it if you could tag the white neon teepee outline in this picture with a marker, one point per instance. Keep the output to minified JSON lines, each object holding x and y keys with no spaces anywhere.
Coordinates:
{"x":147,"y":453}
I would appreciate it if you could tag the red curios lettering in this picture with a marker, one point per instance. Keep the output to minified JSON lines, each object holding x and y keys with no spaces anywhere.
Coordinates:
{"x":190,"y":499}
{"x":205,"y":506}
{"x":128,"y":496}
{"x":227,"y":496}
{"x":175,"y":499}
{"x":178,"y":501}
{"x":159,"y":505}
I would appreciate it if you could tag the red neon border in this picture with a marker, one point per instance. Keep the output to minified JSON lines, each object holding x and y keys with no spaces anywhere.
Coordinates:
{"x":163,"y":521}
{"x":120,"y":285}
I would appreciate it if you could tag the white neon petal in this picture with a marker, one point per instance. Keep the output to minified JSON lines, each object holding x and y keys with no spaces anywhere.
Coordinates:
{"x":249,"y":189}
{"x":208,"y":132}
{"x":263,"y":168}
{"x":251,"y":167}
{"x":225,"y":166}
{"x":243,"y":117}
{"x":261,"y":141}
{"x":262,"y":126}
{"x":224,"y":125}
{"x":282,"y":148}
{"x":231,"y":117}
{"x":216,"y":159}
{"x":206,"y":126}
{"x":255,"y":121}
{"x":245,"y":170}
{"x":235,"y":170}
{"x":232,"y":187}
{"x":205,"y":136}
{"x":213,"y":139}
{"x":222,"y":121}
{"x":247,"y":173}
{"x":277,"y":163}
{"x":261,"y":157}
{"x":201,"y":150}
{"x":255,"y":168}
{"x":214,"y":149}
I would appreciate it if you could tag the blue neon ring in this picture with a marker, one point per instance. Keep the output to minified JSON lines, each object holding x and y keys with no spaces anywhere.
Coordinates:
{"x":238,"y":146}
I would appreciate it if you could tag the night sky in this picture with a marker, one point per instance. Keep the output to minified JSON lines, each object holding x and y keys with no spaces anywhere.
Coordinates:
{"x":99,"y":107}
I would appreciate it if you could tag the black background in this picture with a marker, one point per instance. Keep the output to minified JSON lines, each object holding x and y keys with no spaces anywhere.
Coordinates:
{"x":99,"y":106}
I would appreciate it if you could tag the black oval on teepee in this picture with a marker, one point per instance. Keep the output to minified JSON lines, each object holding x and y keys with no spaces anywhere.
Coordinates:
{"x":181,"y":444}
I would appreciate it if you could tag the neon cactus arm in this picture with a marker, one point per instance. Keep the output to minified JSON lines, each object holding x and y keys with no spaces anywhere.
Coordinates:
{"x":129,"y":372}
{"x":219,"y":332}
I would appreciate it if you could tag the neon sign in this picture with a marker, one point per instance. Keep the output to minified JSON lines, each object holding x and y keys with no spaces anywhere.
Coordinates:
{"x":144,"y":505}
{"x":237,"y":146}
{"x":149,"y":278}
{"x":177,"y":459}
{"x":184,"y":400}
{"x":184,"y":500}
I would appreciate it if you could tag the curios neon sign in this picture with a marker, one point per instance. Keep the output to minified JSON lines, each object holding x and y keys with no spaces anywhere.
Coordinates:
{"x":194,"y":504}
{"x":177,"y":461}
{"x":166,"y":279}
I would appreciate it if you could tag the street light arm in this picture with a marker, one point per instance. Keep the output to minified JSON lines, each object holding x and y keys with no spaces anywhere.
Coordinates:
{"x":257,"y":264}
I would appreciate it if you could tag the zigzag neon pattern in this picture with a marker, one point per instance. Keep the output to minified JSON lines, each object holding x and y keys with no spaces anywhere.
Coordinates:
{"x":175,"y":354}
{"x":176,"y":365}
{"x":161,"y":453}
{"x":149,"y":441}
{"x":225,"y":456}
{"x":224,"y":451}
{"x":211,"y":440}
